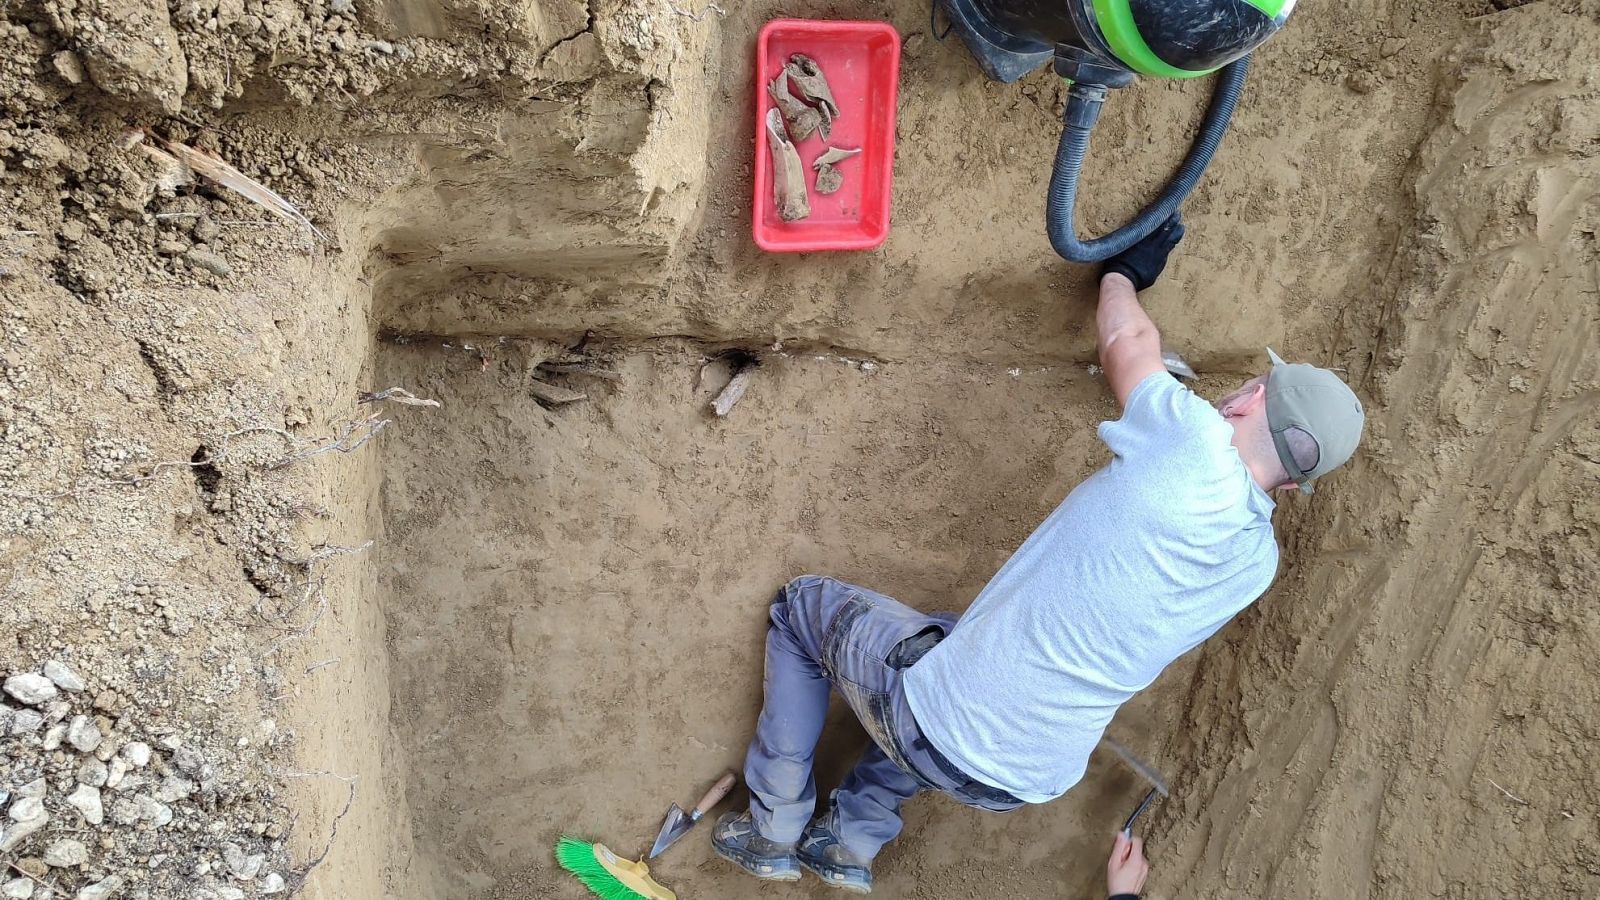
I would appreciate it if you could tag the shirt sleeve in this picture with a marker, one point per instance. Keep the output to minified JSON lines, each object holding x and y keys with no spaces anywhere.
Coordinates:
{"x":1163,"y":419}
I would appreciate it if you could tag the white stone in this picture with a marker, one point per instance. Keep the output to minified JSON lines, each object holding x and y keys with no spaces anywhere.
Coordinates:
{"x":92,"y":772}
{"x":26,"y":721}
{"x":272,"y":884}
{"x":137,"y":754}
{"x":229,"y":892}
{"x":63,"y":677}
{"x":31,"y":688}
{"x":102,"y":890}
{"x":86,"y":800}
{"x":53,"y":737}
{"x":17,"y":889}
{"x":35,"y":789}
{"x":115,"y":772}
{"x":20,"y":831}
{"x":66,"y":853}
{"x":153,"y":811}
{"x":26,"y":809}
{"x":174,"y":788}
{"x":83,"y":734}
{"x":242,"y":866}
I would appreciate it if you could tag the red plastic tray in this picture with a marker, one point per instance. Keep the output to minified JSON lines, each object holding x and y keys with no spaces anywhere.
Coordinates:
{"x":862,"y":62}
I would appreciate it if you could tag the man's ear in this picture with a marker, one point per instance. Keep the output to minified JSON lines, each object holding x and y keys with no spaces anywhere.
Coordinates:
{"x":1245,"y":402}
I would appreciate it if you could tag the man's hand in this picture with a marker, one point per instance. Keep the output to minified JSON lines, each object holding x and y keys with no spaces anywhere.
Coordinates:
{"x":1127,"y":869}
{"x":1143,"y":263}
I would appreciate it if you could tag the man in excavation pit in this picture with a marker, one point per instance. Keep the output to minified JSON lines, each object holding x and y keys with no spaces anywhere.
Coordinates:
{"x":1145,"y":559}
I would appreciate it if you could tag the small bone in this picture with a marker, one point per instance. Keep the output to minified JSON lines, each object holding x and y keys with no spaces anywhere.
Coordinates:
{"x":788,"y":179}
{"x":833,"y":155}
{"x":802,"y":119}
{"x":829,"y":179}
{"x":813,"y":85}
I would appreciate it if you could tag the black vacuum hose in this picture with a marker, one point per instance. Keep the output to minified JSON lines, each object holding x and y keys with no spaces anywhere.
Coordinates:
{"x":1082,"y":110}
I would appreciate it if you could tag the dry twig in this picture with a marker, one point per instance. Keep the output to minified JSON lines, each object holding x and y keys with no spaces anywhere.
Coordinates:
{"x":234,"y":180}
{"x":1507,"y":793}
{"x":397,"y":394}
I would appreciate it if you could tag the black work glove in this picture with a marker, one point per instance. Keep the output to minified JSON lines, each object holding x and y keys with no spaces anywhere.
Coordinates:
{"x":1142,"y":263}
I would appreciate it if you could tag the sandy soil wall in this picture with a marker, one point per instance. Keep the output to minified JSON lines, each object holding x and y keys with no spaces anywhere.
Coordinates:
{"x":1410,"y":714}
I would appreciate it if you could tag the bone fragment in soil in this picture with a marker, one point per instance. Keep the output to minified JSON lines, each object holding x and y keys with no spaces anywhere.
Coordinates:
{"x":553,"y":395}
{"x":803,"y":120}
{"x":788,"y":179}
{"x":734,"y":391}
{"x":829,"y":178}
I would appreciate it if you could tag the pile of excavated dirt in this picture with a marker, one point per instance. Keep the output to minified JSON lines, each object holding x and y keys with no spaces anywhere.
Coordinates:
{"x":268,"y":628}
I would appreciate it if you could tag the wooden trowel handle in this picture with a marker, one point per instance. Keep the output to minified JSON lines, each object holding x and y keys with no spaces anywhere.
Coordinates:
{"x":715,"y":795}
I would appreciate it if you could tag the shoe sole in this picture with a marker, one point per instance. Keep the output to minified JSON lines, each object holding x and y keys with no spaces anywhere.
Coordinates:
{"x":840,"y":885}
{"x":745,"y":868}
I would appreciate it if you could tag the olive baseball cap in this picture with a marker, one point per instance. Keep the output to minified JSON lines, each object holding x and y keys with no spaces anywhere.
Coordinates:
{"x":1317,"y":402}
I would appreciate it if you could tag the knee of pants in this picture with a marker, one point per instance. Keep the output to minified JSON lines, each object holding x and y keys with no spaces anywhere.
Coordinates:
{"x":804,"y":594}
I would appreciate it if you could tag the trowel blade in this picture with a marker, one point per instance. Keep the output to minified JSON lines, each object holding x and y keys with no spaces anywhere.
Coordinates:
{"x":1177,"y":366}
{"x":1150,"y":773}
{"x":673,"y":827}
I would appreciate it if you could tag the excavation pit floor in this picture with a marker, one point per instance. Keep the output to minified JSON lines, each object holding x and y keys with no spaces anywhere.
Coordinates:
{"x":576,"y":595}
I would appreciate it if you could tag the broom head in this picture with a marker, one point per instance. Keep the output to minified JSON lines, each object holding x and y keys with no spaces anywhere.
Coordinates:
{"x":607,"y":875}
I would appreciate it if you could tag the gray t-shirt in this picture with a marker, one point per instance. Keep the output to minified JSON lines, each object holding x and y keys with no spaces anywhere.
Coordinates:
{"x":1144,"y":560}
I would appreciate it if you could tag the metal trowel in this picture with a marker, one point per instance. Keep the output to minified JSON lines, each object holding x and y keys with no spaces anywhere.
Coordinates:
{"x":1158,"y":784}
{"x":678,"y":822}
{"x":1177,"y":366}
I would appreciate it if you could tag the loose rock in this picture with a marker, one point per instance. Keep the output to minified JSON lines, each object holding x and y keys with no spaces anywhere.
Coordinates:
{"x":101,"y":890}
{"x":83,"y":734}
{"x":53,"y":737}
{"x":17,"y":889}
{"x":86,"y":800}
{"x":26,"y":721}
{"x":272,"y":884}
{"x":211,"y":262}
{"x":62,"y":676}
{"x":242,"y":866}
{"x":92,"y":772}
{"x":153,"y":811}
{"x":115,"y":772}
{"x":31,"y":688}
{"x":30,"y":818}
{"x":68,"y":66}
{"x":137,"y":754}
{"x":25,"y":809}
{"x":66,"y":853}
{"x":174,"y":789}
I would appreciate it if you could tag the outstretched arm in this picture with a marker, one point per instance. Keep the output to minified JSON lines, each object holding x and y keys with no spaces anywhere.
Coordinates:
{"x":1130,"y":345}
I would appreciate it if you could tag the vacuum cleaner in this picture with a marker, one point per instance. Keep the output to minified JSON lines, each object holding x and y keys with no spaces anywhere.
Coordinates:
{"x":1098,"y":45}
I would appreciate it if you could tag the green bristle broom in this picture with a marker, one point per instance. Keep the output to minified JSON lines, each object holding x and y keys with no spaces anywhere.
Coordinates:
{"x":607,"y":875}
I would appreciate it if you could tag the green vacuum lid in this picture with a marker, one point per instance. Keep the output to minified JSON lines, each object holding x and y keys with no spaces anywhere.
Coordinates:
{"x":1186,"y":38}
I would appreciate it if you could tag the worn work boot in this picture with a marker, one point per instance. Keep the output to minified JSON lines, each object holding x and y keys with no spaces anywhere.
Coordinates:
{"x":825,"y":857}
{"x":737,"y":841}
